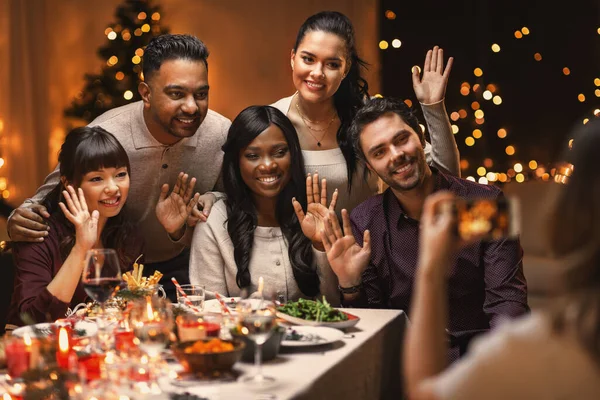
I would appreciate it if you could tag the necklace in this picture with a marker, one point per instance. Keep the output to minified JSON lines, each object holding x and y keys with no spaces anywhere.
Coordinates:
{"x":312,"y":129}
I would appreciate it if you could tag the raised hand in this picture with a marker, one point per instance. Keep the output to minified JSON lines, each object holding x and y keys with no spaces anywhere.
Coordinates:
{"x":173,"y":210}
{"x":76,"y":211}
{"x":316,"y":210}
{"x":347,"y":259}
{"x":431,"y":88}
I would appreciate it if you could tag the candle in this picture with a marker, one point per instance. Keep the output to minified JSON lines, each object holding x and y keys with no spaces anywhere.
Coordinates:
{"x":64,"y":354}
{"x":18,"y":353}
{"x":261,"y":286}
{"x":192,"y":327}
{"x":90,"y":366}
{"x":124,"y":340}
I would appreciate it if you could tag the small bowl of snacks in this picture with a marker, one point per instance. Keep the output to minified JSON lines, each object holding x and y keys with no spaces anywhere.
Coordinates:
{"x":208,"y":355}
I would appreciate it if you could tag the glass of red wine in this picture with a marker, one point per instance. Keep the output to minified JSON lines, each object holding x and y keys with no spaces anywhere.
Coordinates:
{"x":101,"y":277}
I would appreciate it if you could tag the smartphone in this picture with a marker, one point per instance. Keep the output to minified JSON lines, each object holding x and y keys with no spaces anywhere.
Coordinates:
{"x":487,"y":219}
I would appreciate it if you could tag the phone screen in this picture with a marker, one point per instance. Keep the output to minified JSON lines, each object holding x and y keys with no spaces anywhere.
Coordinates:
{"x":487,"y":219}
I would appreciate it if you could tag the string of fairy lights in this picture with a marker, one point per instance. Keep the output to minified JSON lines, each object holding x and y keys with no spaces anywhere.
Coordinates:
{"x":483,"y":97}
{"x":113,"y":33}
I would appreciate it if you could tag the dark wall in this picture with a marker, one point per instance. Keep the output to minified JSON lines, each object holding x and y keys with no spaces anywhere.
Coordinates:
{"x":540,"y":104}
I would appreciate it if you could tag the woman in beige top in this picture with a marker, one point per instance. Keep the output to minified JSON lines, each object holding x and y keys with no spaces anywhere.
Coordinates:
{"x":326,"y":71}
{"x":260,"y":229}
{"x":553,"y":354}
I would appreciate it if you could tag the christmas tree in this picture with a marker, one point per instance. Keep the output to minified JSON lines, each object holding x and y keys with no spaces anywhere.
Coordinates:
{"x":137,"y":21}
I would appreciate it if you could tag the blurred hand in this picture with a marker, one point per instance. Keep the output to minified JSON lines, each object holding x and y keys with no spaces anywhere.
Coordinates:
{"x":438,"y":241}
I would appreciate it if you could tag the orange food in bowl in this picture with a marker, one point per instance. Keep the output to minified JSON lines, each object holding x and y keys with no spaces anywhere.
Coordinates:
{"x":208,"y":355}
{"x":210,"y":346}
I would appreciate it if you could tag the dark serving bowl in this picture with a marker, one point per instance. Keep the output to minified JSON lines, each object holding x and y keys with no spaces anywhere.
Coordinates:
{"x":208,"y":362}
{"x":270,"y":348}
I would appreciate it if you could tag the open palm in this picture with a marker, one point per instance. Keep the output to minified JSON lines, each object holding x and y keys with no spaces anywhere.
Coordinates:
{"x":431,"y":88}
{"x":173,"y":210}
{"x":347,"y":258}
{"x":316,"y":210}
{"x":76,"y":211}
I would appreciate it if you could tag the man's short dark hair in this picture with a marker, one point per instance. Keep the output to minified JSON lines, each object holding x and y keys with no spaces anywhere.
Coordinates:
{"x":172,"y":47}
{"x":372,"y":111}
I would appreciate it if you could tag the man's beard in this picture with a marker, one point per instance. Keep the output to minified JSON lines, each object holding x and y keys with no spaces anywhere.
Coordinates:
{"x":410,"y":182}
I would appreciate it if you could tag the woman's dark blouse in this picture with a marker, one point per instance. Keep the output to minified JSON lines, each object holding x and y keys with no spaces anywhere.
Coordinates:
{"x":37,"y":264}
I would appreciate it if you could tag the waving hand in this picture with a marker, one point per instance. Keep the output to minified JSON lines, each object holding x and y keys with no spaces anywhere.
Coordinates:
{"x":76,"y":211}
{"x":431,"y":88}
{"x":174,"y":209}
{"x":347,"y":259}
{"x":316,"y":210}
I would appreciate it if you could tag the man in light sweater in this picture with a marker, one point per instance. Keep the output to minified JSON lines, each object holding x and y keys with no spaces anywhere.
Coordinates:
{"x":170,"y":130}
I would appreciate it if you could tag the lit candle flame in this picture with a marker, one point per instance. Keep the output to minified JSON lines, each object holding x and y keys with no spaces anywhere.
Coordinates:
{"x":63,"y":340}
{"x":27,"y":339}
{"x":6,"y":396}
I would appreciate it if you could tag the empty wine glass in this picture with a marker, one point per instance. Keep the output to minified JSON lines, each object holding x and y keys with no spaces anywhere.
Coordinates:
{"x":257,"y":321}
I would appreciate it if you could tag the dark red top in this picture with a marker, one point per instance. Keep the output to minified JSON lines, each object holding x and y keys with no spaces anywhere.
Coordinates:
{"x":36,"y":265}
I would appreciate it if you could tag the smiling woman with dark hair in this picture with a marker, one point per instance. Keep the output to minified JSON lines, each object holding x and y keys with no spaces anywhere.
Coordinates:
{"x":259,"y":230}
{"x":87,"y":210}
{"x":327,"y":73}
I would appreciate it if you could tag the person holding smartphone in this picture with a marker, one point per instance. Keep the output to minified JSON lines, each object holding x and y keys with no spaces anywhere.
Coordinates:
{"x":375,"y":255}
{"x":552,"y":353}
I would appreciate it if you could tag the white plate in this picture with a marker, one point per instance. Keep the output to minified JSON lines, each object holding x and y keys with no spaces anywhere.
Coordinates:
{"x":312,"y":336}
{"x":350,"y":322}
{"x":89,"y":327}
{"x":214,"y":306}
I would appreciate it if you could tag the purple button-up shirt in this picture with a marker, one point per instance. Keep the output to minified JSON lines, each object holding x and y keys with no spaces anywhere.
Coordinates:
{"x":486,"y":280}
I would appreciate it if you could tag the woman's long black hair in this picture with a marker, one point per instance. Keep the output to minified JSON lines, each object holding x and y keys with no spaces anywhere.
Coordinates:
{"x":354,"y":89}
{"x":88,"y":149}
{"x":242,"y":219}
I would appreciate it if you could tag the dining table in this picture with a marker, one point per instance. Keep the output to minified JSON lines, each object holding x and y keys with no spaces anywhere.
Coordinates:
{"x":364,"y":364}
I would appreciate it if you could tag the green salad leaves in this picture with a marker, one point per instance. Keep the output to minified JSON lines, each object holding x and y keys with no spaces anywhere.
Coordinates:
{"x":312,"y":310}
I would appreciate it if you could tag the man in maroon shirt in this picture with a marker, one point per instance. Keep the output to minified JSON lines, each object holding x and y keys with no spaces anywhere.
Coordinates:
{"x":375,"y":258}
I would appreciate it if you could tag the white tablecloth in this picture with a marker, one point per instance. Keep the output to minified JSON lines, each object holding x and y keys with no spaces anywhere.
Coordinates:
{"x":364,"y":365}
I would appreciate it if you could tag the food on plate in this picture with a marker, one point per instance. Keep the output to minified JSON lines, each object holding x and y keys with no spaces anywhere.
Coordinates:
{"x":210,"y":346}
{"x":312,"y":310}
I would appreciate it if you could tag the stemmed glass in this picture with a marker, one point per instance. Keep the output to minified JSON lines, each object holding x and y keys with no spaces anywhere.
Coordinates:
{"x":257,"y":321}
{"x":101,"y":278}
{"x":151,"y":319}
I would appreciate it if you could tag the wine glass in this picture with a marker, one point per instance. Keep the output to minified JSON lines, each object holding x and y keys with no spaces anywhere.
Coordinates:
{"x":257,"y":321}
{"x":151,"y":319}
{"x":101,"y":278}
